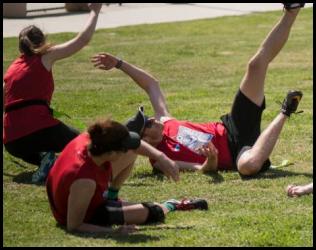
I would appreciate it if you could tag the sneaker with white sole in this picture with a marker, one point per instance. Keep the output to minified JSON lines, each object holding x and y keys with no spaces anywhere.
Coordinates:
{"x":189,"y":204}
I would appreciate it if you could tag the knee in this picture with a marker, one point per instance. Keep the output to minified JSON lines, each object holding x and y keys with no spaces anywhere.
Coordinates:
{"x":257,"y":63}
{"x":155,"y":213}
{"x":248,"y":165}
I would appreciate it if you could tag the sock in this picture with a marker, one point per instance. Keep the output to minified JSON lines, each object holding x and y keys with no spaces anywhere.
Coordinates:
{"x":112,"y":194}
{"x":169,"y":206}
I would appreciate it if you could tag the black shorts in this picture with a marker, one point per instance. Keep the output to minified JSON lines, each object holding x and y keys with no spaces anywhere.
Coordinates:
{"x":243,"y":126}
{"x":29,"y":147}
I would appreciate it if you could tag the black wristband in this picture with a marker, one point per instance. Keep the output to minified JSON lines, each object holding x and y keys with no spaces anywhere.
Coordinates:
{"x":119,"y":64}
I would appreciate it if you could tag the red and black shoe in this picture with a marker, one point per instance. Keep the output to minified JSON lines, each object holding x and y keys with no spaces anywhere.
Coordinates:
{"x":291,"y":6}
{"x":187,"y":204}
{"x":291,"y":101}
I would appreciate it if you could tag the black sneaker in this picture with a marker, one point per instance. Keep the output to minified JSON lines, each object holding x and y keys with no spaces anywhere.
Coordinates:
{"x":291,"y":102}
{"x":187,"y":204}
{"x":291,"y":6}
{"x":41,"y":173}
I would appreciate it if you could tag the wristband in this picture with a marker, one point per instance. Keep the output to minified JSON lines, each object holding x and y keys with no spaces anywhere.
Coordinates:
{"x":119,"y":64}
{"x":112,"y":194}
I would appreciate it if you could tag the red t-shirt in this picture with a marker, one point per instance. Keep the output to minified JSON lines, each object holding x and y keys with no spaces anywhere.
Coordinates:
{"x":27,"y":79}
{"x":181,"y":139}
{"x":72,"y":164}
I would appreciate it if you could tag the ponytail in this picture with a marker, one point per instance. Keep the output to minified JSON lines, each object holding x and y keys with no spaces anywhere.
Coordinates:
{"x":32,"y":41}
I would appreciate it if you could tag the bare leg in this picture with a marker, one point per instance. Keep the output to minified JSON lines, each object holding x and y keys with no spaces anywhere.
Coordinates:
{"x":252,"y":84}
{"x":137,"y":213}
{"x":251,"y":160}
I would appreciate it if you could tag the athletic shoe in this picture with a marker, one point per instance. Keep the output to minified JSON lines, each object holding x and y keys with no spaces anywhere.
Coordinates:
{"x":291,"y":101}
{"x":47,"y":162}
{"x":290,"y":6}
{"x":187,"y":204}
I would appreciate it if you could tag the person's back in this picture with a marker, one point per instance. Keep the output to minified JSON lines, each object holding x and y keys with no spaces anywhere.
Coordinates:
{"x":30,"y":131}
{"x":27,"y":80}
{"x":72,"y":164}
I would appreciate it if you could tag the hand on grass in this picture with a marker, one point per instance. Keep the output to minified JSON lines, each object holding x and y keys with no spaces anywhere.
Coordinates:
{"x":211,"y":152}
{"x":296,"y":191}
{"x":168,"y":167}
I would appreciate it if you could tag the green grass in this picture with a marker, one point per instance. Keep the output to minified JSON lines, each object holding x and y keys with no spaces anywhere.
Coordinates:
{"x":200,"y":65}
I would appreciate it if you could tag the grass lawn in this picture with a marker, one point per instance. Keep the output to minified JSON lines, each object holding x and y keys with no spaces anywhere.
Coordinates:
{"x":200,"y":65}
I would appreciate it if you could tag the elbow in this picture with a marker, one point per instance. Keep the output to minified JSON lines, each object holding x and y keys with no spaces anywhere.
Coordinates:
{"x":83,"y":40}
{"x":152,"y":86}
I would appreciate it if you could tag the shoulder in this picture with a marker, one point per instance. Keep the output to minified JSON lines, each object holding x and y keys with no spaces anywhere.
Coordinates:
{"x":164,"y":119}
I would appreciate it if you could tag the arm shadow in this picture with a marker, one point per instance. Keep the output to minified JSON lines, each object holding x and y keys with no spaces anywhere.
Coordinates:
{"x":131,"y":238}
{"x":216,"y":177}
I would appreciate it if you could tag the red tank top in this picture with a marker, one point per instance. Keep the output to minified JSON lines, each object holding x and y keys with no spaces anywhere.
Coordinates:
{"x":27,"y":79}
{"x":181,"y":139}
{"x":72,"y":164}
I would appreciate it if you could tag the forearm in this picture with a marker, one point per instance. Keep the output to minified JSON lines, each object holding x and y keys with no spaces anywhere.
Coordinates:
{"x":142,"y":78}
{"x":150,"y":85}
{"x":309,"y":188}
{"x":86,"y":34}
{"x":147,"y":150}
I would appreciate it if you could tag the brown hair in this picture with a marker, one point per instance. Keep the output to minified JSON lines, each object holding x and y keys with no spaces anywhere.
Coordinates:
{"x":33,"y":41}
{"x":106,"y":136}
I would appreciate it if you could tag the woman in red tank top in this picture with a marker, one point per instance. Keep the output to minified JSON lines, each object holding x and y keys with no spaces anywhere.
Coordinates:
{"x":30,"y":132}
{"x":78,"y":184}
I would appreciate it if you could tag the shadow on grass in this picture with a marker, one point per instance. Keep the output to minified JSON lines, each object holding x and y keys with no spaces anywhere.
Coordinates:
{"x":138,"y":184}
{"x":130,"y":238}
{"x":158,"y":175}
{"x":19,"y":164}
{"x":216,"y":177}
{"x":275,"y":173}
{"x":23,"y":178}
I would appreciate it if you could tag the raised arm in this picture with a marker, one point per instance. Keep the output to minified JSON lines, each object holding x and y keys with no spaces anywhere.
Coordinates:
{"x":72,"y":46}
{"x":146,"y":81}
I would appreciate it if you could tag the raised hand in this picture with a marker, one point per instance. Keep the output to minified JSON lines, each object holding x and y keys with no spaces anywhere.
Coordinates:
{"x":104,"y":61}
{"x":96,"y":7}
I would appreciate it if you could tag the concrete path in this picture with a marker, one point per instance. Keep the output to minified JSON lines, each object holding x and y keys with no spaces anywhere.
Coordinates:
{"x":55,"y":21}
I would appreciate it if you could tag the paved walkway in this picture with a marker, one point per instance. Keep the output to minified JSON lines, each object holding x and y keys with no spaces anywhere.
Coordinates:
{"x":55,"y":21}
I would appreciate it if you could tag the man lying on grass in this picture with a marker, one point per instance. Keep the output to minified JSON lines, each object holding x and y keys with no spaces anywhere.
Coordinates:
{"x":78,"y":184}
{"x":236,"y":143}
